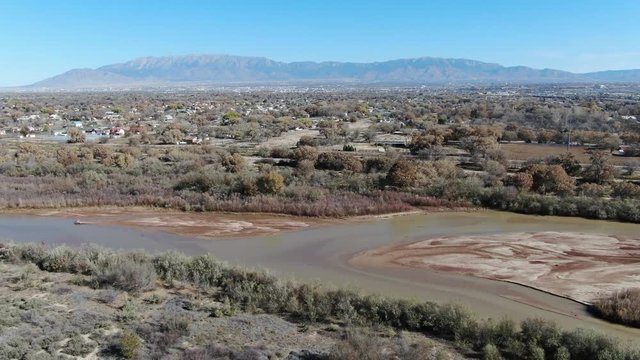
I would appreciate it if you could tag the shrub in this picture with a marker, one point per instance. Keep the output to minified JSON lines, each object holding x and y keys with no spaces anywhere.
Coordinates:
{"x":129,"y":345}
{"x":593,"y":190}
{"x":125,"y":274}
{"x":175,"y":322}
{"x":357,"y":345}
{"x":338,"y":162}
{"x":348,"y":147}
{"x":271,"y":182}
{"x":78,"y":346}
{"x":305,"y":153}
{"x":625,"y":190}
{"x":490,"y":352}
{"x":622,"y":306}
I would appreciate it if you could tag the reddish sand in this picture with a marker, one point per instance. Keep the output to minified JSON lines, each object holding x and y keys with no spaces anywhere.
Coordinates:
{"x":199,"y":225}
{"x":574,"y":265}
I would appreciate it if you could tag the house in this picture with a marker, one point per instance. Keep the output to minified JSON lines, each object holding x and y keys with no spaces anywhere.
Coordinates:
{"x":193,"y":140}
{"x":76,"y":123}
{"x":116,"y":131}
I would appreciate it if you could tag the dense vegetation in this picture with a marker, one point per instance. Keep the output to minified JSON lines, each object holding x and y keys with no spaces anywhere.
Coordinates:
{"x":256,"y":291}
{"x":361,"y":152}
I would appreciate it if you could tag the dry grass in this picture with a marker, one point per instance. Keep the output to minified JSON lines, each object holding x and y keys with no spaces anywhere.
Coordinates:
{"x":622,"y":306}
{"x":525,"y":152}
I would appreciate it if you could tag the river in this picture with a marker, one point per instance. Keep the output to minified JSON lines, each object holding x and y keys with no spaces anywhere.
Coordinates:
{"x":322,"y":252}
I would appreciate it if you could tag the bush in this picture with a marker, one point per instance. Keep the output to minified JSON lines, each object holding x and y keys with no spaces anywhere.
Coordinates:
{"x":338,"y":162}
{"x":77,"y":346}
{"x":621,"y":306}
{"x":358,"y":345}
{"x":490,"y":352}
{"x":129,"y":345}
{"x":271,"y":182}
{"x":348,"y":147}
{"x":125,"y":274}
{"x":593,"y":190}
{"x":626,"y":190}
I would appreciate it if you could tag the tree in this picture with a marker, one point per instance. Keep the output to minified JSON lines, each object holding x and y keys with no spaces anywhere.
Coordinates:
{"x":626,"y":190}
{"x":526,"y":135}
{"x":404,"y":173}
{"x":600,"y":171}
{"x":424,"y":141}
{"x":568,"y":162}
{"x":24,"y":131}
{"x":521,"y":181}
{"x":476,"y":145}
{"x":75,"y":136}
{"x":271,"y":182}
{"x":550,"y":179}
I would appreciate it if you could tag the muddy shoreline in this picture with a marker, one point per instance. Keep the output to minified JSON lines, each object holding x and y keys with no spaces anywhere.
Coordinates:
{"x":577,"y":266}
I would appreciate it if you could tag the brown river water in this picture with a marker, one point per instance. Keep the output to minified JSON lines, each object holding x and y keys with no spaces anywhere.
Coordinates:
{"x":322,"y":252}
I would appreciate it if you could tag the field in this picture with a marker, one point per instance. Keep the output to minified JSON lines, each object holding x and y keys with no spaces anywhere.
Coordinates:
{"x":524,"y":152}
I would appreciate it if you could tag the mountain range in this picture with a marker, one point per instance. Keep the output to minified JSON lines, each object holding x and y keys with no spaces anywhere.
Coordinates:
{"x":201,"y":70}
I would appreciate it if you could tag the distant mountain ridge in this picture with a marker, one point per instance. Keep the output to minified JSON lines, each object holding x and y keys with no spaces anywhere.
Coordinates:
{"x":224,"y":69}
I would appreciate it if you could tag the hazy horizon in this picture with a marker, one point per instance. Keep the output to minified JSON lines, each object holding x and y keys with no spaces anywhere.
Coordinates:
{"x":43,"y":39}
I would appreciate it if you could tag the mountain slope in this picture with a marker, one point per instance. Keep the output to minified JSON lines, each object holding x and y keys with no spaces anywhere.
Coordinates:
{"x":616,"y":75}
{"x":221,"y":69}
{"x":85,"y":78}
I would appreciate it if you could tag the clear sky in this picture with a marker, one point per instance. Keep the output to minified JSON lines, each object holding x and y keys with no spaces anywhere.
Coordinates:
{"x":39,"y":39}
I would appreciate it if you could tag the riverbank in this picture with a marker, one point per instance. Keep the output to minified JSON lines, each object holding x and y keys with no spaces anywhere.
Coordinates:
{"x":227,"y":290}
{"x":204,"y":225}
{"x":200,"y":225}
{"x":577,"y":266}
{"x":321,"y":254}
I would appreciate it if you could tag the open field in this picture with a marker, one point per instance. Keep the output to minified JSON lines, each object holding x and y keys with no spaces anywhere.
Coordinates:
{"x":524,"y":152}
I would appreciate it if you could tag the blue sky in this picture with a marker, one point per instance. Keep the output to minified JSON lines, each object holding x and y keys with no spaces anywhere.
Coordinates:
{"x":39,"y":39}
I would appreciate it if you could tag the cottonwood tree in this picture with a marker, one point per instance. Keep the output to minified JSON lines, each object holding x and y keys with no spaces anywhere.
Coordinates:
{"x":568,"y":162}
{"x":550,"y":179}
{"x":76,"y":136}
{"x":600,"y":171}
{"x":404,"y":173}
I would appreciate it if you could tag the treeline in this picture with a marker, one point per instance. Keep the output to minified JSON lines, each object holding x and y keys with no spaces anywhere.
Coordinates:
{"x":257,"y":291}
{"x":307,"y":181}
